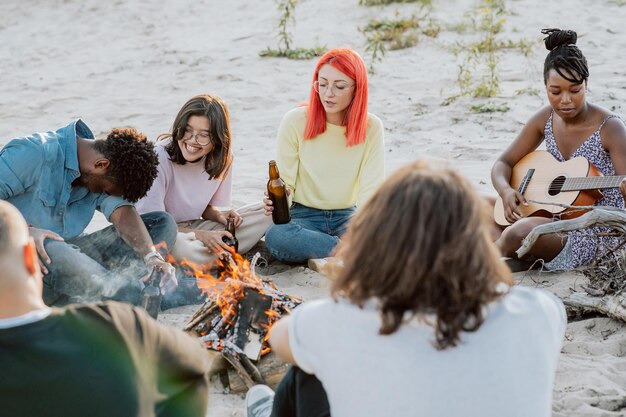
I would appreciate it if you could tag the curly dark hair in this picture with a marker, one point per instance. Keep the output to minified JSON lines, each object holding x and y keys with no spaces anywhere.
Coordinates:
{"x":421,"y":245}
{"x":217,"y":162}
{"x":564,"y":56}
{"x":133,"y":161}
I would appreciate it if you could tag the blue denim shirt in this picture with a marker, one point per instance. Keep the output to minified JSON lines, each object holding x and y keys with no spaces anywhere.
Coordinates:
{"x":36,"y":174}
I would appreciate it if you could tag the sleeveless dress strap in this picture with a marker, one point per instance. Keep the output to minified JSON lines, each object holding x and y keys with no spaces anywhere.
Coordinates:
{"x":606,"y":119}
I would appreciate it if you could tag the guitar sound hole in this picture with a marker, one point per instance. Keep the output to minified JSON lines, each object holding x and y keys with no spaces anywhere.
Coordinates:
{"x":556,"y":185}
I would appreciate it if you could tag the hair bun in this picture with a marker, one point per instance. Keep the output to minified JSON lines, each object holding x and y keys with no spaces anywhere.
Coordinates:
{"x":558,"y":37}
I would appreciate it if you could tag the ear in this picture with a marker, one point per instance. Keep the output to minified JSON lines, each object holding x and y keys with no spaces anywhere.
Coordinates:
{"x":102,"y":164}
{"x":31,"y":260}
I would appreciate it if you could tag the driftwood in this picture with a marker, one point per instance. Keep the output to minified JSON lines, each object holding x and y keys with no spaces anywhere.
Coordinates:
{"x":599,"y":300}
{"x":611,"y":305}
{"x":597,"y":216}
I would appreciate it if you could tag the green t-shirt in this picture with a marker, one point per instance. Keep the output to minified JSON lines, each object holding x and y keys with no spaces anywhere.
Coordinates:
{"x":109,"y":359}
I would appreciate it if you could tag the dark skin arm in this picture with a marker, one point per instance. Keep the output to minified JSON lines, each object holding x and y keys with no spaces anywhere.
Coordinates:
{"x":39,"y":236}
{"x":133,"y":231}
{"x":527,"y":141}
{"x":613,"y":136}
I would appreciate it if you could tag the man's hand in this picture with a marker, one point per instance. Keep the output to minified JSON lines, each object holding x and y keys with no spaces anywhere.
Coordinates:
{"x":169,"y":281}
{"x":39,"y":236}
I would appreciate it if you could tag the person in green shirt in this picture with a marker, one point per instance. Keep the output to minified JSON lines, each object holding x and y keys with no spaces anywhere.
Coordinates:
{"x":107,"y":359}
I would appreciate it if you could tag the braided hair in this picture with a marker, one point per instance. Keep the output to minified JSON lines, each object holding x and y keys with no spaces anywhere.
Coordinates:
{"x":564,"y":57}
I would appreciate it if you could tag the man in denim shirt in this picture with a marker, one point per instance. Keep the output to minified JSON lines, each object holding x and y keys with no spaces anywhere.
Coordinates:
{"x":57,"y":180}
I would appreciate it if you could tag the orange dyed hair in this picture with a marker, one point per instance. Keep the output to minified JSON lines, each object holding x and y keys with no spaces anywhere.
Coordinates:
{"x":355,"y":120}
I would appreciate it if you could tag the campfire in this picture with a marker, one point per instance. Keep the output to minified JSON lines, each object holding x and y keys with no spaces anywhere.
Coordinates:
{"x":235,"y":319}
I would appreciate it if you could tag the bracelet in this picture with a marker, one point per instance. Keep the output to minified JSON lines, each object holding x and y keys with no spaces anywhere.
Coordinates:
{"x":152,"y":254}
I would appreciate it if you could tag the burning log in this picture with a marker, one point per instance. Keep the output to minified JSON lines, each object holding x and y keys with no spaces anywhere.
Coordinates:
{"x":235,"y":319}
{"x":597,"y":216}
{"x":241,"y":370}
{"x":271,"y":367}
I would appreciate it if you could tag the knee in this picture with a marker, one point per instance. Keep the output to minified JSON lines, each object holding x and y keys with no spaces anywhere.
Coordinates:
{"x":279,"y":240}
{"x":278,"y":235}
{"x":511,"y":239}
{"x":57,"y":251}
{"x":161,"y":226}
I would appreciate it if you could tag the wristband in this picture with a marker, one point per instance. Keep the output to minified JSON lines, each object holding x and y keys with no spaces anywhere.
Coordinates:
{"x":152,"y":254}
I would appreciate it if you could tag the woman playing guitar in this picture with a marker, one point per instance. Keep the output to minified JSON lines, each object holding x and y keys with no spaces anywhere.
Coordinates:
{"x":571,"y":127}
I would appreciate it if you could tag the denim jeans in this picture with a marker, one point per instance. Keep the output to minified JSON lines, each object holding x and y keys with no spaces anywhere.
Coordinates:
{"x":311,"y":233}
{"x":100,"y":265}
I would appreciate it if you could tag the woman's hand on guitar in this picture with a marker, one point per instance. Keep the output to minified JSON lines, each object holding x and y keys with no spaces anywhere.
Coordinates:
{"x":511,"y":200}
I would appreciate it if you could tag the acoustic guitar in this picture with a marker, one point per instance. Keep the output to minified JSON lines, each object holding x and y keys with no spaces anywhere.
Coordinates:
{"x":544,"y":182}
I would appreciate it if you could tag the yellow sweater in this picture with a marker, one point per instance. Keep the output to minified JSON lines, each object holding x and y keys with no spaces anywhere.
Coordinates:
{"x":323,"y":172}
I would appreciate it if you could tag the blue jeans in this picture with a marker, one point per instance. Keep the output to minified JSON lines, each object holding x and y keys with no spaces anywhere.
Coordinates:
{"x":311,"y":233}
{"x":100,"y":265}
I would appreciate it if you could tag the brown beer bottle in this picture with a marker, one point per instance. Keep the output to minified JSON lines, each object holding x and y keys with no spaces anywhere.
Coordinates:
{"x":277,"y":191}
{"x":151,"y":294}
{"x":230,"y":228}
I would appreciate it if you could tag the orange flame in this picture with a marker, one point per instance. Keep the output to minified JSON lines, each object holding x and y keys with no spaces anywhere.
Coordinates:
{"x":224,"y":280}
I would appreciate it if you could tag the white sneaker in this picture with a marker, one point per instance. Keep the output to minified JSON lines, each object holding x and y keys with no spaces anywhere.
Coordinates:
{"x":259,"y":401}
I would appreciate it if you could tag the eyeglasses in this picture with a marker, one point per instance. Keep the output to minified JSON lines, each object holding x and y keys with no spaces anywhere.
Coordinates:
{"x":338,"y":89}
{"x":201,"y":138}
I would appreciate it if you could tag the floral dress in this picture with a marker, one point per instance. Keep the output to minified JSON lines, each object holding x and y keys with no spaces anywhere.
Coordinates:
{"x":582,"y":245}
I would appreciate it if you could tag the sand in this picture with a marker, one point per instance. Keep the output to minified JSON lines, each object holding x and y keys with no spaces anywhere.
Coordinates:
{"x":134,"y":63}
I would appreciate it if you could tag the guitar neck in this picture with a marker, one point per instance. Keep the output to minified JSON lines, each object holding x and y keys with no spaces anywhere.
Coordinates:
{"x":592,"y":183}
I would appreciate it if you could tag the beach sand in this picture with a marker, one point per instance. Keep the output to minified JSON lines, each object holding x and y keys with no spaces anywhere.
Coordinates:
{"x":134,"y":63}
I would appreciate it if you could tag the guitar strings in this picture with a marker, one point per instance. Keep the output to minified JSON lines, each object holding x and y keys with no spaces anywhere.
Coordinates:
{"x":590,"y":181}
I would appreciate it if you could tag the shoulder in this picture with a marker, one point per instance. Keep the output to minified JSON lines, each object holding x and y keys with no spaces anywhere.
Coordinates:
{"x":160,"y":148}
{"x":166,"y":165}
{"x":611,"y":128}
{"x":614,"y":127}
{"x":35,"y":143}
{"x":132,"y":322}
{"x":375,"y":130}
{"x":294,"y":116}
{"x":529,"y":302}
{"x":324,"y":310}
{"x":540,"y":118}
{"x":32,"y":150}
{"x":315,"y":308}
{"x":105,"y":311}
{"x":374,"y":122}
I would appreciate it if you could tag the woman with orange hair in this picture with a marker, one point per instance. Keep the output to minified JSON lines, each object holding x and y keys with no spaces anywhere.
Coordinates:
{"x":330,"y":154}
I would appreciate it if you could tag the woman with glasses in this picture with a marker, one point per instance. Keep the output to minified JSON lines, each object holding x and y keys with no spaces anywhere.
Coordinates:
{"x":330,"y":154}
{"x":195,"y":180}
